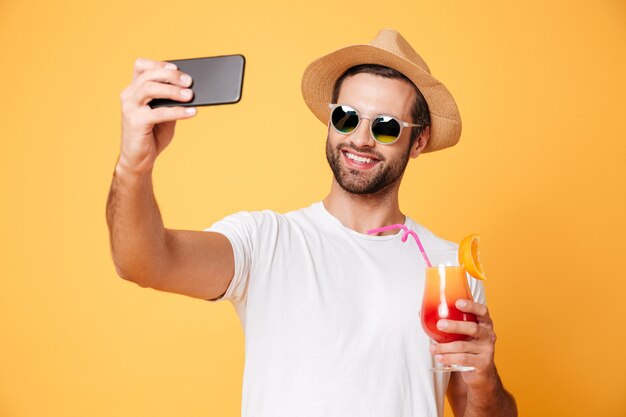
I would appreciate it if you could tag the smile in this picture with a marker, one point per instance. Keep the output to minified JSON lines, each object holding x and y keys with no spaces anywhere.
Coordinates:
{"x":358,"y":161}
{"x":359,"y":158}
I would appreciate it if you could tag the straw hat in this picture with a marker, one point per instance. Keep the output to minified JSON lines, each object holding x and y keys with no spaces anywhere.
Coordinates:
{"x":390,"y":49}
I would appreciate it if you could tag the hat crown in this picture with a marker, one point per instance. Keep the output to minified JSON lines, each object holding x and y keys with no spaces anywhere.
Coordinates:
{"x":390,"y":40}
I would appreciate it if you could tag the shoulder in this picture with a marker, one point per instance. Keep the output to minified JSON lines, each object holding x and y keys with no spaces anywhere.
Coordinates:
{"x":428,"y":238}
{"x":311,"y":213}
{"x":247,"y":218}
{"x":267,"y":220}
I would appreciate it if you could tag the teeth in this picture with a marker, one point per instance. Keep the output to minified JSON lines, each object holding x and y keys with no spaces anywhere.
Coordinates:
{"x":359,"y":159}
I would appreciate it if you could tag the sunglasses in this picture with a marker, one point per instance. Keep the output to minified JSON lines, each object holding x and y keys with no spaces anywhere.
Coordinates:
{"x":384,"y":129}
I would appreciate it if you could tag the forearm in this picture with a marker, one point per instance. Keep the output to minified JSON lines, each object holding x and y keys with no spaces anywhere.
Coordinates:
{"x":136,"y":231}
{"x":490,"y":400}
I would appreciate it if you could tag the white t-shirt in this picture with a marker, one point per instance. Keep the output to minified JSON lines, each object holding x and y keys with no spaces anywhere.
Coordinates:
{"x":331,"y":317}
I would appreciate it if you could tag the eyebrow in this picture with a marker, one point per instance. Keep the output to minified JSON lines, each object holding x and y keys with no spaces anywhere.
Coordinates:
{"x":375,"y":114}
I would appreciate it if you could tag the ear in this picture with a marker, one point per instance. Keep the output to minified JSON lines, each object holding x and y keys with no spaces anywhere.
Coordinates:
{"x":420,"y":143}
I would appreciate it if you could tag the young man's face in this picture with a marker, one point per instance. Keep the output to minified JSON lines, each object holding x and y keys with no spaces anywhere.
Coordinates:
{"x":371,"y":95}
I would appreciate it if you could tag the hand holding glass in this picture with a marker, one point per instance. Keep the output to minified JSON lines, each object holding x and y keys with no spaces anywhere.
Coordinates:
{"x":445,"y":282}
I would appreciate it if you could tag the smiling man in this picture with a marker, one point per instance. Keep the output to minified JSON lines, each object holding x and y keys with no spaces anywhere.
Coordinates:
{"x":330,"y":313}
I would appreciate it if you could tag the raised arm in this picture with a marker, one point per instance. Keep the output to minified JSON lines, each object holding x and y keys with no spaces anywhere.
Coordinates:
{"x":193,"y":263}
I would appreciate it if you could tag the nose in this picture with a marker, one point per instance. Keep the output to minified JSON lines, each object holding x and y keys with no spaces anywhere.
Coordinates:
{"x":361,"y":137}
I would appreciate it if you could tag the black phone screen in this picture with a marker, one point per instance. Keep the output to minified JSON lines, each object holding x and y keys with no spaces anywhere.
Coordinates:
{"x":216,"y":80}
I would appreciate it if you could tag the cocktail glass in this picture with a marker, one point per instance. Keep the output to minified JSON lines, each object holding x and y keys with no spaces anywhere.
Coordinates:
{"x":444,"y":283}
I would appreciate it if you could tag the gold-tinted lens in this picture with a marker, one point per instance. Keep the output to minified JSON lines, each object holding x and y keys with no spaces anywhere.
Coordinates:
{"x":385,"y":129}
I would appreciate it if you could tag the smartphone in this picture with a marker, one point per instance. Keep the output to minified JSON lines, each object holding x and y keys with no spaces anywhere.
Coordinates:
{"x":216,"y":80}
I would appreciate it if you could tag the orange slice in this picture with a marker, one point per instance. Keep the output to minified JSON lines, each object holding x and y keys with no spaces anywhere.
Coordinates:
{"x":469,"y":256}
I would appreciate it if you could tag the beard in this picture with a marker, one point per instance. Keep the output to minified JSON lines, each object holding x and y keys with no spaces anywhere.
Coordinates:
{"x":372,"y":181}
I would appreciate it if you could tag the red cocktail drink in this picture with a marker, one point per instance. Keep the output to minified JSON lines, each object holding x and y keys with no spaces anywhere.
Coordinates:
{"x":443,"y":287}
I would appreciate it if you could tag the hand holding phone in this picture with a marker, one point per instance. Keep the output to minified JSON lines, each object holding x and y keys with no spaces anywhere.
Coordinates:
{"x":160,"y":94}
{"x":216,"y":80}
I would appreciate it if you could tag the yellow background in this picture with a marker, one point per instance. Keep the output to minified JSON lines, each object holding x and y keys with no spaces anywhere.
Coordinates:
{"x":540,"y":173}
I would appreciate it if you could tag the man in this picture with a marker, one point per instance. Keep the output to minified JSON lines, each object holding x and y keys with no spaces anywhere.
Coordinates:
{"x":330,"y":313}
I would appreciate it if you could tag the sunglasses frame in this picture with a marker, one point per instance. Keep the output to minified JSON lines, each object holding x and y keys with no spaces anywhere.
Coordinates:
{"x":402,"y":123}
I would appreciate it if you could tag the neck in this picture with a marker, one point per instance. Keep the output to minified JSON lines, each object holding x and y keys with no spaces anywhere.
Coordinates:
{"x":363,"y":212}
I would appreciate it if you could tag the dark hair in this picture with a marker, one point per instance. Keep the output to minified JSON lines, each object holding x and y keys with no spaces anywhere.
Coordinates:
{"x":419,"y":111}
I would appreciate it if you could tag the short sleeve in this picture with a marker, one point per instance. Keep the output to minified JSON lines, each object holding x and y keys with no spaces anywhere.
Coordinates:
{"x":240,"y":230}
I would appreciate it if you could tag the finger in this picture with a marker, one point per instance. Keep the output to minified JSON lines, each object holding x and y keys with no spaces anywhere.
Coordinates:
{"x":166,"y":114}
{"x":465,"y":359}
{"x":162,"y":75}
{"x":165,"y":75}
{"x":468,"y":328}
{"x":152,"y":117}
{"x":144,"y":64}
{"x":152,"y":90}
{"x":481,"y":311}
{"x":457,"y":347}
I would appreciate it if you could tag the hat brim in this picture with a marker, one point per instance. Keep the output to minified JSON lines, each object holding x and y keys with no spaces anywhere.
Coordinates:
{"x":320,"y":76}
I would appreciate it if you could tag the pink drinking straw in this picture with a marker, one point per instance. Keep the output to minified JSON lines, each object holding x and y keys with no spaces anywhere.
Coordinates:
{"x":405,"y":236}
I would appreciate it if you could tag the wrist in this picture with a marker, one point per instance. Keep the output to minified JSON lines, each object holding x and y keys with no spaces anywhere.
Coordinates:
{"x":133,"y":172}
{"x":489,"y":383}
{"x":490,"y":399}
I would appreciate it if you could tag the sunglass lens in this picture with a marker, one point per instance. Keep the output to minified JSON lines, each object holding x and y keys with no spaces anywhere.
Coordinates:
{"x":345,"y":119}
{"x":385,"y":129}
